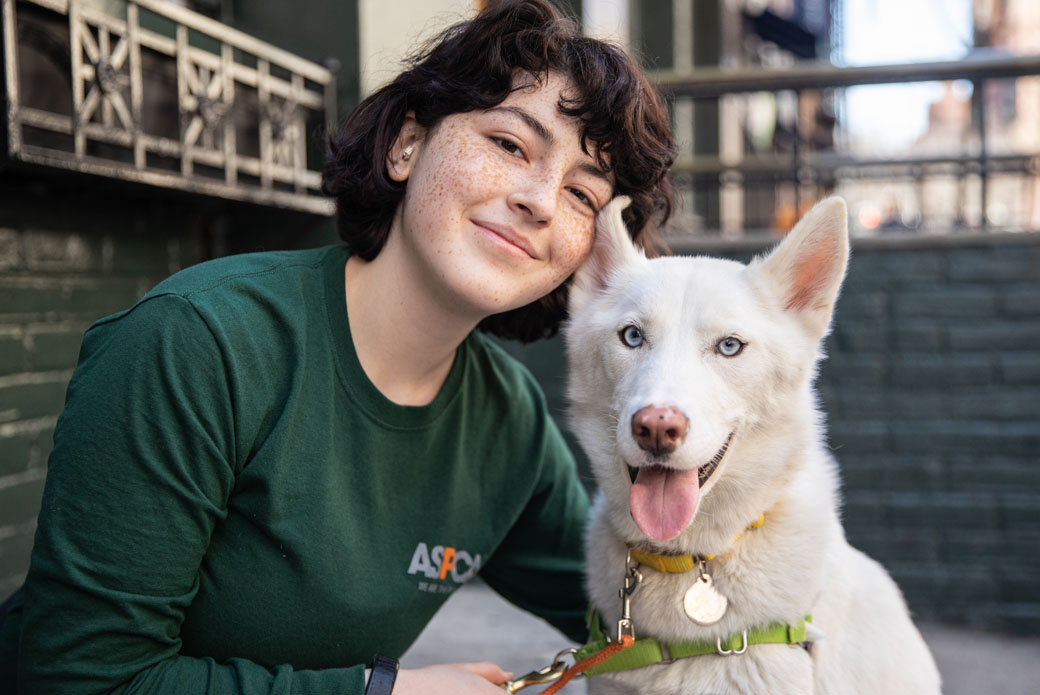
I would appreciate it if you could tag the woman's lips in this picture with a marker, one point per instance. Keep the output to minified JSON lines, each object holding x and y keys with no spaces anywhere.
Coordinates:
{"x":510,"y":241}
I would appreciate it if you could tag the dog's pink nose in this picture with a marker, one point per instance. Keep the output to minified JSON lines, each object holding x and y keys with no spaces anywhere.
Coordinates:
{"x":659,"y":430}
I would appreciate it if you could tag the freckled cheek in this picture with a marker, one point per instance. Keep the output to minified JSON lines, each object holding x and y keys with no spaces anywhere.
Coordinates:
{"x":487,"y":180}
{"x":572,"y":245}
{"x":444,"y":188}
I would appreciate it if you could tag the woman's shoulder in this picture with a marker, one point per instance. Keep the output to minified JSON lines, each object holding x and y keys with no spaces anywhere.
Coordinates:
{"x":231,"y":296}
{"x":247,"y":269}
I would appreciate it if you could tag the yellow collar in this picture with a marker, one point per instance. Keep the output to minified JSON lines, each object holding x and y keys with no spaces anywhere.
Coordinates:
{"x":678,"y":564}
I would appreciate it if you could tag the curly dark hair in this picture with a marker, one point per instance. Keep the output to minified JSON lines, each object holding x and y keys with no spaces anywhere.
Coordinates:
{"x":473,"y":65}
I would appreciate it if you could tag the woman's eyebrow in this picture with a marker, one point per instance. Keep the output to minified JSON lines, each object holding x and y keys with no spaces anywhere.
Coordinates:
{"x":594,"y":170}
{"x":533,"y":123}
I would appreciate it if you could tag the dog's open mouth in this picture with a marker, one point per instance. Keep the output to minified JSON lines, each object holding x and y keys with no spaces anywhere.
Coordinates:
{"x":663,"y":500}
{"x":705,"y":471}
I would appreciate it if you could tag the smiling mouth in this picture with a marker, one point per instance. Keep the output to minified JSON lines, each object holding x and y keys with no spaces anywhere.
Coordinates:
{"x":510,"y":242}
{"x":704,"y":472}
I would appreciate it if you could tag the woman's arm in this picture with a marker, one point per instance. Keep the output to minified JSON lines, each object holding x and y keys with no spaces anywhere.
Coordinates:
{"x":142,"y":468}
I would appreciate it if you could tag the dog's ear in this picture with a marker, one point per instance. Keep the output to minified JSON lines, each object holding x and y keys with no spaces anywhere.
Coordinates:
{"x":611,"y":248}
{"x":806,"y":269}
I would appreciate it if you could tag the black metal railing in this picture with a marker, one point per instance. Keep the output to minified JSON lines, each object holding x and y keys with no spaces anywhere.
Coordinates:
{"x":806,"y":170}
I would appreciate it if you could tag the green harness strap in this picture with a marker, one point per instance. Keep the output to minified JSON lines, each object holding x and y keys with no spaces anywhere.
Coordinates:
{"x":647,"y":650}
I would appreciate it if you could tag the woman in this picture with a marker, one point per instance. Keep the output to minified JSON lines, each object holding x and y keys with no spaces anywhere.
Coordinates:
{"x":276,"y":465}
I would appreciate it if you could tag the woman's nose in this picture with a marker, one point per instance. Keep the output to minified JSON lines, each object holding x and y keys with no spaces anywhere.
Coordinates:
{"x":536,"y":198}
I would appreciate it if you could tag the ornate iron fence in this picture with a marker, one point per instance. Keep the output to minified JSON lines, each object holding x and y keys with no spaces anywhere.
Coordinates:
{"x":147,"y":91}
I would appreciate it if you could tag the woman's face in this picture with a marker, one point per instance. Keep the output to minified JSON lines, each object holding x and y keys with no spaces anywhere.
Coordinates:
{"x":500,"y":205}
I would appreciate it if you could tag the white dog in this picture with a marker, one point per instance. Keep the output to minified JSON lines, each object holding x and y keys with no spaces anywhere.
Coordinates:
{"x":691,"y":393}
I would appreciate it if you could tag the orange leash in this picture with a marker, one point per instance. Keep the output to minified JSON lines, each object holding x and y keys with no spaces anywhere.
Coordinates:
{"x":610,"y":650}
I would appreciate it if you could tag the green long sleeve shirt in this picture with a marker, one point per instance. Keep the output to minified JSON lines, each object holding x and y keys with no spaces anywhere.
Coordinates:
{"x":232,"y":507}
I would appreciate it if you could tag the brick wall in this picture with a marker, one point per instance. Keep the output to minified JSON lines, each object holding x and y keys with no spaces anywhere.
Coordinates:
{"x":69,"y":256}
{"x":64,"y":261}
{"x":933,"y":395}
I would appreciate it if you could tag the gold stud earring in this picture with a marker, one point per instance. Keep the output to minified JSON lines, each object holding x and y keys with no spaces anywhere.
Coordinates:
{"x":407,"y":154}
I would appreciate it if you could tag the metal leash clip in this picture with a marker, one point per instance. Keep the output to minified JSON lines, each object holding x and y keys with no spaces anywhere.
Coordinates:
{"x":549,"y":674}
{"x":633,"y":577}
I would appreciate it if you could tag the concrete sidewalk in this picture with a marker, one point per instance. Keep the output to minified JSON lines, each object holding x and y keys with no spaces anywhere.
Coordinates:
{"x":476,"y":625}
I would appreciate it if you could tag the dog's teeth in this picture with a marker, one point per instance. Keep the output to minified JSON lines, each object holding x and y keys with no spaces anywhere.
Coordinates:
{"x":705,"y":471}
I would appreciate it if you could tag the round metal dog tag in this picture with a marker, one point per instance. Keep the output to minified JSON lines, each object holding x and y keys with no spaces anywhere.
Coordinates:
{"x":703,"y":604}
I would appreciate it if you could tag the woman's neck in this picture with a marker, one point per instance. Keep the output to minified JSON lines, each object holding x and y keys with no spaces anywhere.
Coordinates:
{"x":404,"y":337}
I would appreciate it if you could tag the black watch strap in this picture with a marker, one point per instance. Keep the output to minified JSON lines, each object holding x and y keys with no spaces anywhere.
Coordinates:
{"x":384,"y":673}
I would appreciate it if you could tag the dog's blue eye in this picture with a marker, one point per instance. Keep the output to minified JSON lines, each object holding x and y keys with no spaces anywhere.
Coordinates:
{"x":631,"y":336}
{"x":730,"y":347}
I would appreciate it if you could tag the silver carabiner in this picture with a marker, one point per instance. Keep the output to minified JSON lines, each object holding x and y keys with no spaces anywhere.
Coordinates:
{"x":633,"y":577}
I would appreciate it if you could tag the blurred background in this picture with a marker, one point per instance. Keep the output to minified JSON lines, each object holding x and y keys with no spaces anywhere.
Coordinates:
{"x":142,"y":137}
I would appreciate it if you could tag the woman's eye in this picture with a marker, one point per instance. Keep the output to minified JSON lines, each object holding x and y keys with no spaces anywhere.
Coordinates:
{"x":586,"y":200}
{"x":631,"y":336}
{"x":730,"y":347}
{"x":509,"y":146}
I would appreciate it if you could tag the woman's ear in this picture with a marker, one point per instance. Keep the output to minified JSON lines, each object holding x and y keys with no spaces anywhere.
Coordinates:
{"x":402,"y":153}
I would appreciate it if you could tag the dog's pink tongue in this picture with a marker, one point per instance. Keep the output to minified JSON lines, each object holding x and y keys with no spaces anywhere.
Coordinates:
{"x":663,"y":501}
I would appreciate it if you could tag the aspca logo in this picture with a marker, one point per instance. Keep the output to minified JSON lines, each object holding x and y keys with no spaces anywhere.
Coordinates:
{"x":443,"y":562}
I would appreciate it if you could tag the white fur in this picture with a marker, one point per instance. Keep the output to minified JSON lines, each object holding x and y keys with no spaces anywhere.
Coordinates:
{"x":799,"y":562}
